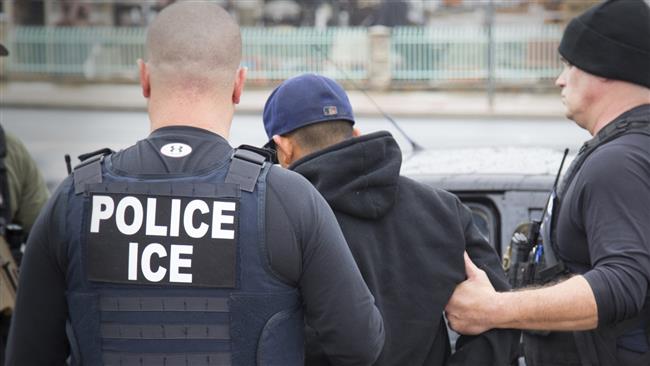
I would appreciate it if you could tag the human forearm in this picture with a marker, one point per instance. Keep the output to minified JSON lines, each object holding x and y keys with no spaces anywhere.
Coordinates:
{"x":476,"y":307}
{"x":569,"y":305}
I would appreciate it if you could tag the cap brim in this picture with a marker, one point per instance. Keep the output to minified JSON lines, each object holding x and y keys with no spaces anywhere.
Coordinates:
{"x":3,"y":50}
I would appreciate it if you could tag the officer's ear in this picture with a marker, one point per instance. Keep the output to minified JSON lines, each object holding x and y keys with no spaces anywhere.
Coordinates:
{"x":240,"y":79}
{"x":144,"y":78}
{"x":356,"y":132}
{"x":285,"y":150}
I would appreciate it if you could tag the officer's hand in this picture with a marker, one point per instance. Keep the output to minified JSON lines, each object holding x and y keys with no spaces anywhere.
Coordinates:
{"x":472,"y":303}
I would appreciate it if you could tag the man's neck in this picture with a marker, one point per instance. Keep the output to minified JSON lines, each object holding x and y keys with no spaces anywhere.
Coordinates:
{"x":610,"y":111}
{"x":199,"y":113}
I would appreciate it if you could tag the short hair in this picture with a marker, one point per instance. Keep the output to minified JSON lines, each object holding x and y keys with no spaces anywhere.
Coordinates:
{"x":196,"y":44}
{"x":318,"y":136}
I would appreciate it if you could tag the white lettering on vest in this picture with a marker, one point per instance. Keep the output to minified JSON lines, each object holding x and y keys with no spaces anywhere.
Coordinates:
{"x":176,"y":262}
{"x":103,"y":207}
{"x":175,"y":217}
{"x":192,"y":206}
{"x":152,"y":228}
{"x":133,"y":261}
{"x":120,"y":217}
{"x":149,"y":250}
{"x":218,"y":218}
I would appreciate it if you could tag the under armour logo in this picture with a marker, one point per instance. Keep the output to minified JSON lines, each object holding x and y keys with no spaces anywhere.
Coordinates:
{"x":176,"y":150}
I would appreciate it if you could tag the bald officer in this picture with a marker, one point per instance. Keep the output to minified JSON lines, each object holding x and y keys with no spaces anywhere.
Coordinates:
{"x":180,"y":250}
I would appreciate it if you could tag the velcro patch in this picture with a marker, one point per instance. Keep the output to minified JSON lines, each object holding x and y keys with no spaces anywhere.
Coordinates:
{"x":162,"y":240}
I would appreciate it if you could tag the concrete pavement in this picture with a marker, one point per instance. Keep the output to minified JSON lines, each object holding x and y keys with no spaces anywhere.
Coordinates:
{"x":394,"y":103}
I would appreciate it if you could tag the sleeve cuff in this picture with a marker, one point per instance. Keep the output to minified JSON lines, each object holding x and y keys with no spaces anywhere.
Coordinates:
{"x":603,"y":295}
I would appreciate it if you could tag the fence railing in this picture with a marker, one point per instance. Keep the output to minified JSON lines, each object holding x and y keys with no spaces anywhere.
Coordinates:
{"x":424,"y":56}
{"x":448,"y":54}
{"x":279,"y":53}
{"x":92,"y":53}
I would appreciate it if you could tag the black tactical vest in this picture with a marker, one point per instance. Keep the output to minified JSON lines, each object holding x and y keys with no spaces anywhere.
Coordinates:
{"x":174,"y":271}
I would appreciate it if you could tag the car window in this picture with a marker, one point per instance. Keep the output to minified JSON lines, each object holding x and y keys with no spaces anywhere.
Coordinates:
{"x":485,"y":217}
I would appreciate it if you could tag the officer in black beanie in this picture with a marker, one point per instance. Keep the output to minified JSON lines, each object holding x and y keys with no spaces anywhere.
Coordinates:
{"x":597,"y":307}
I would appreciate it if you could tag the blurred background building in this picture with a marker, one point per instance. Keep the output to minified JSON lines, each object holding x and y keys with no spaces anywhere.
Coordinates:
{"x":382,"y":44}
{"x":298,"y":13}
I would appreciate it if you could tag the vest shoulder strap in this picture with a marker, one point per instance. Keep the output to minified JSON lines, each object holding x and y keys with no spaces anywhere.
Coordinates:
{"x":92,"y":154}
{"x":610,"y":133}
{"x":88,"y":172}
{"x":246,"y":165}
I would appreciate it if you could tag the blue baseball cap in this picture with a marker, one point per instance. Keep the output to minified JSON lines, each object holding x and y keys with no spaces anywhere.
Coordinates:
{"x":304,"y":100}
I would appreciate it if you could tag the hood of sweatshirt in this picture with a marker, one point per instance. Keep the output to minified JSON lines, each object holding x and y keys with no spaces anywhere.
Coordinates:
{"x":357,"y":176}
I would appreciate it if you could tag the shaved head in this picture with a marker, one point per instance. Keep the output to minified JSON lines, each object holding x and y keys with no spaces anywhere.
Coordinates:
{"x":194,"y":46}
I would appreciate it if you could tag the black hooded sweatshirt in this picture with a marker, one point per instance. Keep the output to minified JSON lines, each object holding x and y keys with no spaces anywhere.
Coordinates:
{"x":408,"y":240}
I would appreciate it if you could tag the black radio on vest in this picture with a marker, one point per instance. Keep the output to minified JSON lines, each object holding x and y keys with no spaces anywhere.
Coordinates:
{"x":530,"y":259}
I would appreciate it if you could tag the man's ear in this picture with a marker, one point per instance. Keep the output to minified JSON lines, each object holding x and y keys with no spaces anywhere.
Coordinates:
{"x":285,"y":149}
{"x":356,"y":132}
{"x":144,"y":78}
{"x":240,"y":79}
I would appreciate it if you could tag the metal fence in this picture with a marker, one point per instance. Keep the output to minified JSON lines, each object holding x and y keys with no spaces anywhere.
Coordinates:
{"x":420,"y":56}
{"x":279,"y":53}
{"x":459,"y":54}
{"x":91,"y":53}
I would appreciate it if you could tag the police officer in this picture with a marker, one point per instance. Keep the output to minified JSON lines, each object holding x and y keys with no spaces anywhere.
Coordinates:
{"x":180,"y":250}
{"x":22,"y":195}
{"x":407,"y":238}
{"x":599,"y":226}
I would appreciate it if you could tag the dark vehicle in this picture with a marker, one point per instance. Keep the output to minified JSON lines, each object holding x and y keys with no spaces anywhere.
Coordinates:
{"x":503,"y":186}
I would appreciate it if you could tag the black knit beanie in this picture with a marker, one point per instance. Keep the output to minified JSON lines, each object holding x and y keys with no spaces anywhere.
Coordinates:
{"x":611,"y":40}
